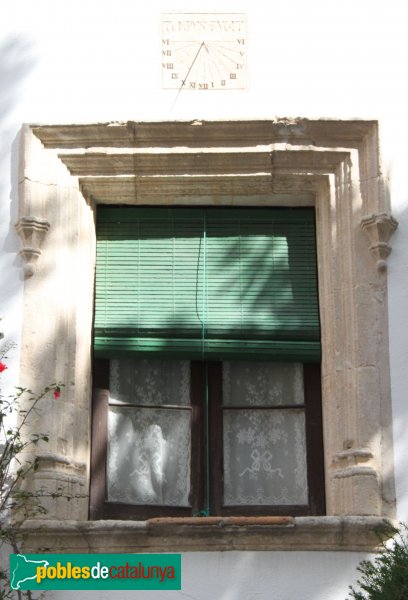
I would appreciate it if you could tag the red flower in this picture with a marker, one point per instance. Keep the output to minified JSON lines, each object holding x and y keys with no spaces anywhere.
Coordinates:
{"x":3,"y":367}
{"x":57,"y":393}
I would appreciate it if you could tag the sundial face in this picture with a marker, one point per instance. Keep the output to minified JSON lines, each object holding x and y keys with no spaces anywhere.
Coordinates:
{"x":204,"y":51}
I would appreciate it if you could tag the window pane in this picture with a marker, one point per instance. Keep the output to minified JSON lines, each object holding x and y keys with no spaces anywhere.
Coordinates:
{"x":149,"y":456}
{"x":262,"y":383}
{"x":264,"y":457}
{"x":150,"y":382}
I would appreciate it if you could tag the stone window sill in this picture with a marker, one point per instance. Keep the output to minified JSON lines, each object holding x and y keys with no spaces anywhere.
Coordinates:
{"x":203,"y":534}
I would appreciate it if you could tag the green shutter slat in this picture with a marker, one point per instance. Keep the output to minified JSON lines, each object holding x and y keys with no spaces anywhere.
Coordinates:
{"x":259,"y":281}
{"x":112,"y":347}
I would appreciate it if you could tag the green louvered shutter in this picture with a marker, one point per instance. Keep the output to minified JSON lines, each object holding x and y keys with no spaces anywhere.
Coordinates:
{"x":207,"y":283}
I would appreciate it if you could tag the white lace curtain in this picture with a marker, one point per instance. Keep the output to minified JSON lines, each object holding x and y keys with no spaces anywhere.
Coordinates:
{"x":149,"y":447}
{"x":264,"y":442}
{"x":264,"y":448}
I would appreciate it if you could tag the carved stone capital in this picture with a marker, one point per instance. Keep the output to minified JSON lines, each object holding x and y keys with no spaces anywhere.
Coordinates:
{"x":379,"y":228}
{"x":32,"y":231}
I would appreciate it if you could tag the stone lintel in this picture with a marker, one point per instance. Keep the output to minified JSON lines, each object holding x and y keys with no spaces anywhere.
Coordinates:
{"x":197,"y":189}
{"x":204,"y":133}
{"x":202,"y":161}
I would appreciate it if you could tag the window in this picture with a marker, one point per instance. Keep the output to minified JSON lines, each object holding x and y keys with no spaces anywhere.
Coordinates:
{"x":332,"y":165}
{"x":207,"y":371}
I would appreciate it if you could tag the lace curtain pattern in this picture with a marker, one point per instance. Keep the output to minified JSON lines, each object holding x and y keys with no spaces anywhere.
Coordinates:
{"x":264,"y":449}
{"x":149,"y":447}
{"x":262,"y":383}
{"x":150,"y":382}
{"x":149,"y":422}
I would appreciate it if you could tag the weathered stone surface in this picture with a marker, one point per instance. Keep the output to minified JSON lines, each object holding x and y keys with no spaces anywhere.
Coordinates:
{"x":331,"y":164}
{"x":299,"y":533}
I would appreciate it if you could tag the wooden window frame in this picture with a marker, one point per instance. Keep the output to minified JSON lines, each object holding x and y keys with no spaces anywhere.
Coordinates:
{"x":100,"y":508}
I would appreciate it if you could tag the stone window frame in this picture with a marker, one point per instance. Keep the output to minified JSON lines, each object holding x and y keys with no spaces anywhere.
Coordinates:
{"x":66,"y":170}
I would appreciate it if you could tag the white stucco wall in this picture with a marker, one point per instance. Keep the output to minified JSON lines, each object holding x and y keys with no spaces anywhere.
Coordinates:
{"x":253,"y":576}
{"x":90,"y":61}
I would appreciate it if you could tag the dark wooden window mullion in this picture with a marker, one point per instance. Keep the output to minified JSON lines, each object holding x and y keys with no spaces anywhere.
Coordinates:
{"x":100,"y":399}
{"x":143,"y":406}
{"x":266,"y":407}
{"x":314,"y":438}
{"x":214,"y":370}
{"x":197,"y":493}
{"x":116,"y":510}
